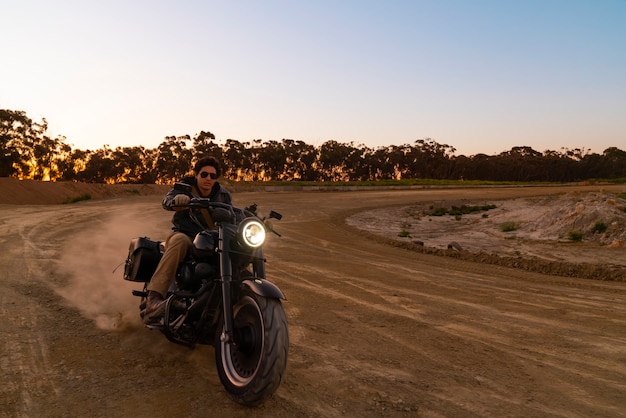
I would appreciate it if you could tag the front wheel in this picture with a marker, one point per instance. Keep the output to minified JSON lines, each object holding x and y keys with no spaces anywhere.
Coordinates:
{"x":252,"y":367}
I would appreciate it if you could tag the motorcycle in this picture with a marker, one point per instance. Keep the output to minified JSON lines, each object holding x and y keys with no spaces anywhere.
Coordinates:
{"x":221,"y":298}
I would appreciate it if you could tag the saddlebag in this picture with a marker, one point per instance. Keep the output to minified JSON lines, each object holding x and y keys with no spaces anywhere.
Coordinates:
{"x":144,"y":255}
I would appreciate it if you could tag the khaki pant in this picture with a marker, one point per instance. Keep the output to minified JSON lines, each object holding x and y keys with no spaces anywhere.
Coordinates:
{"x":177,"y":247}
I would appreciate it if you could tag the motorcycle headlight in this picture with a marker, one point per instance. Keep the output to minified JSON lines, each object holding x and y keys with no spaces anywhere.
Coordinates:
{"x":251,"y":232}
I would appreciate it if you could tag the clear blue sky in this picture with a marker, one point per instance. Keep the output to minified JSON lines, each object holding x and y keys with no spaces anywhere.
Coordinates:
{"x":479,"y":75}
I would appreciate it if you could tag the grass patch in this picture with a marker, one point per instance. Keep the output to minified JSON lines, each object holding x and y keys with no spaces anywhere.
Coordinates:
{"x":458,"y":211}
{"x":437,"y":211}
{"x":375,"y":183}
{"x":599,"y":227}
{"x":621,"y":180}
{"x":404,"y":234}
{"x":575,"y":235}
{"x":508,"y":227}
{"x":80,"y":198}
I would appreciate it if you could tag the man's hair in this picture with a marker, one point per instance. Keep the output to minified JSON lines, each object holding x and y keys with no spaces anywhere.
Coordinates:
{"x":203,"y":162}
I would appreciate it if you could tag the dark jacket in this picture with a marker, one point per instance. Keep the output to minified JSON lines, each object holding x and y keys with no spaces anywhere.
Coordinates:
{"x":181,"y":220}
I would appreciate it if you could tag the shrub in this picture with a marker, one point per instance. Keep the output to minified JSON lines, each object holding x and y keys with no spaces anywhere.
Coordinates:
{"x":508,"y":226}
{"x":438,"y":212}
{"x":575,"y":235}
{"x":599,"y":227}
{"x":459,"y":211}
{"x":404,"y":234}
{"x":80,"y":198}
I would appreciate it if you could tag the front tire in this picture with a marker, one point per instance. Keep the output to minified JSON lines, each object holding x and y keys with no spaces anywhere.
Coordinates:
{"x":251,"y":369}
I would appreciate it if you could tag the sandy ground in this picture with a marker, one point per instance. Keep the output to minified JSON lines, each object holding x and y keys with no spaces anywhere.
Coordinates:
{"x":375,"y":329}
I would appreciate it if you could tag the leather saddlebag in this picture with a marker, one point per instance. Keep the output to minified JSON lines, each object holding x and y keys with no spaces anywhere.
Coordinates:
{"x":144,"y":255}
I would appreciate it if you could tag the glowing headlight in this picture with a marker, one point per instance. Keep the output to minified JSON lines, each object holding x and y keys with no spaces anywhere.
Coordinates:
{"x":252,"y":233}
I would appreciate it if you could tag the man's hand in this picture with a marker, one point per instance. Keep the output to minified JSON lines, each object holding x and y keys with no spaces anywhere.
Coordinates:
{"x":180,"y":200}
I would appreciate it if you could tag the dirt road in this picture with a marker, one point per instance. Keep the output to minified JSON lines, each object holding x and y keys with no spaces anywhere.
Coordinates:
{"x":375,"y":330}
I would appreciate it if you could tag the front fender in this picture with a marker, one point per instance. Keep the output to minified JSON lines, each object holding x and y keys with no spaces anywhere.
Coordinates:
{"x":264,"y":288}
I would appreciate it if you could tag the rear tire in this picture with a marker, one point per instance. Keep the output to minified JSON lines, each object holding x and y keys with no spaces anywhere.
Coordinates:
{"x":251,"y":369}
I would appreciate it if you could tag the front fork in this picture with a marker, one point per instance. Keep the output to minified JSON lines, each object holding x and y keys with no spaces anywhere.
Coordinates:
{"x":226,"y":279}
{"x":226,"y":272}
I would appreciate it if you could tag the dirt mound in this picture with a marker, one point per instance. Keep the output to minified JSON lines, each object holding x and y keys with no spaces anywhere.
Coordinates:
{"x":597,"y":217}
{"x":31,"y":192}
{"x":574,"y":234}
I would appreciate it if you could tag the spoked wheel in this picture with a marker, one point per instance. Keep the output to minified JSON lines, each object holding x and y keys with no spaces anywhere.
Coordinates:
{"x":252,"y":367}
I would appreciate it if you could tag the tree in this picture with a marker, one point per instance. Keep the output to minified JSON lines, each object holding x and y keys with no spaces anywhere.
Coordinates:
{"x":300,"y":160}
{"x":203,"y":145}
{"x":615,"y":162}
{"x":26,"y":151}
{"x":332,"y":160}
{"x":237,"y":160}
{"x":67,"y":162}
{"x":271,"y":160}
{"x":133,"y":166}
{"x":384,"y":163}
{"x":173,"y":159}
{"x":15,"y":128}
{"x":100,"y":168}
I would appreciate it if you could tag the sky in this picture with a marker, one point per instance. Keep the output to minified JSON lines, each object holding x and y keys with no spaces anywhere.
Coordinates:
{"x":481,"y":76}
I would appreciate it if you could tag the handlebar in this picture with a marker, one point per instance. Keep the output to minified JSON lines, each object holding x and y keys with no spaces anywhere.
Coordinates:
{"x":207,"y":203}
{"x":220,"y":212}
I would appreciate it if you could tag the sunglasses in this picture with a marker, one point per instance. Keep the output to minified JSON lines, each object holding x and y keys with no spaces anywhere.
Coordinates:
{"x":205,"y":174}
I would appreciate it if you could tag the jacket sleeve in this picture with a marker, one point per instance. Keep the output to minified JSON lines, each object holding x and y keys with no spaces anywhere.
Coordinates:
{"x":169,"y":199}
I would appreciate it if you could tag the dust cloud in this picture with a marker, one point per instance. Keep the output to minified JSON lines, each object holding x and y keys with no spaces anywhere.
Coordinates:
{"x":92,"y":262}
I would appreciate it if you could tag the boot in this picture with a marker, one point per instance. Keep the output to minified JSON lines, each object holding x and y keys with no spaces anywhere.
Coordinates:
{"x":155,"y":308}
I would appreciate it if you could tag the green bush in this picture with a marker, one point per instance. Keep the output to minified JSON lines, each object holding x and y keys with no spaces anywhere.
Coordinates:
{"x":457,"y":211}
{"x":80,"y":198}
{"x":575,"y":235}
{"x":438,"y":211}
{"x":599,"y":227}
{"x":404,"y":234}
{"x":508,"y":226}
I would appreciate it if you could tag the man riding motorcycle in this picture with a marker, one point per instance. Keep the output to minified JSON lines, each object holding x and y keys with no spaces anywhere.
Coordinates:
{"x":177,"y":246}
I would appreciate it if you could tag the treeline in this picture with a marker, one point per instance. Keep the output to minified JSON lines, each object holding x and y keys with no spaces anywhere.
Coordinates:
{"x":27,"y":152}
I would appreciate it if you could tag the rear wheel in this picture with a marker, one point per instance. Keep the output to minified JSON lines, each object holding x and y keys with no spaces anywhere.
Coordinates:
{"x":252,"y":367}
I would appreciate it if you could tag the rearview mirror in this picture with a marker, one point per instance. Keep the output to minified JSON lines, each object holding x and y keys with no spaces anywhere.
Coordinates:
{"x":183,"y":187}
{"x":275,"y":215}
